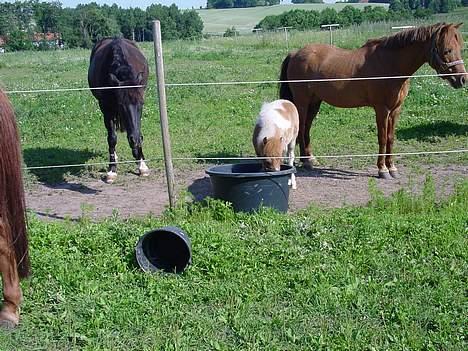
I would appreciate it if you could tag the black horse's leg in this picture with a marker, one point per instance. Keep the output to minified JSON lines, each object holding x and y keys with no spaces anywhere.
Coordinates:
{"x":314,"y":108}
{"x":112,"y":142}
{"x":142,"y":167}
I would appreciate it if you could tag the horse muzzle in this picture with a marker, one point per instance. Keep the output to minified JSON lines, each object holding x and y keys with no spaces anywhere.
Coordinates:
{"x":457,"y":82}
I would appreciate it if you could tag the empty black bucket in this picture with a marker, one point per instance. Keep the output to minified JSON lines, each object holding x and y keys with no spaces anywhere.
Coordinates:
{"x":166,"y":249}
{"x":248,"y":187}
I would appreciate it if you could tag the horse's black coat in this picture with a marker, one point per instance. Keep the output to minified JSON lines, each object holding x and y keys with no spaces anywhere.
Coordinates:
{"x":117,"y":62}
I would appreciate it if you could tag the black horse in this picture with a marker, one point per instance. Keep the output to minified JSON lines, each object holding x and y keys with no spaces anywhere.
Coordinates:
{"x":118,"y":63}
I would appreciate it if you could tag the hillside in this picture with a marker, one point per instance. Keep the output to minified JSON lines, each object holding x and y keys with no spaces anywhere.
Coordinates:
{"x":246,"y":18}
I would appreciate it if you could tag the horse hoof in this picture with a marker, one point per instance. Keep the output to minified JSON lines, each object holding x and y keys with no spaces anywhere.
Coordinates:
{"x":307,"y":166}
{"x":395,"y":174}
{"x":110,"y":177}
{"x":144,"y":172}
{"x":385,"y":175}
{"x":314,"y":162}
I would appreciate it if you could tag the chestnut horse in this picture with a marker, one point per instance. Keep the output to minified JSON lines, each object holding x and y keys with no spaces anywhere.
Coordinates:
{"x":401,"y":54}
{"x":14,"y":258}
{"x":119,"y":63}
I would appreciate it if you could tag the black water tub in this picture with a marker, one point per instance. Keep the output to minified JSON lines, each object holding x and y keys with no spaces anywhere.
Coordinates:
{"x":166,"y":249}
{"x":248,"y":187}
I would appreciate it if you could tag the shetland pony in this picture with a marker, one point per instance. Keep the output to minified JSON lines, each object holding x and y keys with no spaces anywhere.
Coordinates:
{"x":398,"y":55}
{"x":275,"y":133}
{"x":14,"y":258}
{"x":119,"y":63}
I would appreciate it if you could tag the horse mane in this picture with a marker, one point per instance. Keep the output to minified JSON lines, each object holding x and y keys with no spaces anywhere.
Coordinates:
{"x":406,"y":37}
{"x":12,"y":202}
{"x":126,"y":74}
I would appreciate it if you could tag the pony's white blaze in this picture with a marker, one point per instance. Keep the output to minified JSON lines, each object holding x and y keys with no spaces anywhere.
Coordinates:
{"x":275,"y":133}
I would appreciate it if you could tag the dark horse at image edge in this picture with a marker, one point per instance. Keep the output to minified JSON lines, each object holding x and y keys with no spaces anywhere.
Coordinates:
{"x":401,"y":54}
{"x":14,"y":256}
{"x":119,"y":63}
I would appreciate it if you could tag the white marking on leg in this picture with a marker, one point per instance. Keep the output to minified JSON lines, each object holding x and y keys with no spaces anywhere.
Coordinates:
{"x":110,"y":177}
{"x":293,"y":181}
{"x":143,"y":168}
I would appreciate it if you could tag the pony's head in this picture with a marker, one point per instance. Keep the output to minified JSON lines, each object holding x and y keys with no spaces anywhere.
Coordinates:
{"x":272,"y":149}
{"x":130,"y":102}
{"x":446,"y":54}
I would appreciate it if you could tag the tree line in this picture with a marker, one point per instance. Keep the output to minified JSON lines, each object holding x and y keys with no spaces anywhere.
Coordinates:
{"x":226,"y":4}
{"x":83,"y":25}
{"x":398,"y":9}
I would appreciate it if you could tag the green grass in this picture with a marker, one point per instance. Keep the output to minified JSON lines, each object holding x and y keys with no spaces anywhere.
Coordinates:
{"x":245,"y":19}
{"x":390,"y":276}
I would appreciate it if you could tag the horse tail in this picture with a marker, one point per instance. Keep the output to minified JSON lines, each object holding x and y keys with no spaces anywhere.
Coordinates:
{"x":284,"y":89}
{"x":120,"y":124}
{"x":12,"y":202}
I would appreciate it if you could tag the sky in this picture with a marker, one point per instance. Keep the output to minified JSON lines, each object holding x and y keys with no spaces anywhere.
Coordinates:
{"x":182,"y":4}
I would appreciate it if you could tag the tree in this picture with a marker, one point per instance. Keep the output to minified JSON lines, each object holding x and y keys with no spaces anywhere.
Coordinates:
{"x":328,"y":16}
{"x":230,"y":32}
{"x":47,"y":16}
{"x":190,"y":25}
{"x":94,"y":25}
{"x":349,"y":15}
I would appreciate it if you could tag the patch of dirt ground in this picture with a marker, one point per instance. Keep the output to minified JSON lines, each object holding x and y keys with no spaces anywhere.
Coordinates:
{"x":134,"y":196}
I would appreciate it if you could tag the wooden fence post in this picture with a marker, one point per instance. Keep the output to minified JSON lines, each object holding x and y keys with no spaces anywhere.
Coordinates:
{"x":163,"y":111}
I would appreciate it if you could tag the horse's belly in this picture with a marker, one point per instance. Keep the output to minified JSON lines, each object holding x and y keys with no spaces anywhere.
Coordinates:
{"x":343,"y":98}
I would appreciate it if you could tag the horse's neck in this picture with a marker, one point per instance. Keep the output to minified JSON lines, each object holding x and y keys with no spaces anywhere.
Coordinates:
{"x":409,"y":59}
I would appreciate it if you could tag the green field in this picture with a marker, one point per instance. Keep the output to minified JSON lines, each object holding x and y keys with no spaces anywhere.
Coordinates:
{"x":245,"y":19}
{"x":388,"y":276}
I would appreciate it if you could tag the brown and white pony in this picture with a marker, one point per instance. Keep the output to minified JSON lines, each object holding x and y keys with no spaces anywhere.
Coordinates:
{"x":14,"y":258}
{"x":275,"y":133}
{"x":400,"y":54}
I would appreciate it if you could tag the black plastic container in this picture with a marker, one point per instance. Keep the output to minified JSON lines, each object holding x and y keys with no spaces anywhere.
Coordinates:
{"x":248,"y":187}
{"x":165,"y":249}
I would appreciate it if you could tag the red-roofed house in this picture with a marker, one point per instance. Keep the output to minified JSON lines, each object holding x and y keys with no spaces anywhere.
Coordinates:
{"x":53,"y":40}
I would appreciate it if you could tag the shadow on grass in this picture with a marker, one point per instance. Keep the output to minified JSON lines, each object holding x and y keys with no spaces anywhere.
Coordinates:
{"x":332,"y":173}
{"x":200,"y":188}
{"x":428,"y":131}
{"x":54,"y":156}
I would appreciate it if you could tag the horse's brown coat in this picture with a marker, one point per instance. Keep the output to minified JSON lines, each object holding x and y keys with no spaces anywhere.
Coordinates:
{"x":398,"y":55}
{"x":14,"y":258}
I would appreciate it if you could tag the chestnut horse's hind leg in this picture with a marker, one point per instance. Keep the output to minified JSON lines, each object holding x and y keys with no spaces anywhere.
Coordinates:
{"x":382,"y":117}
{"x":392,"y":121}
{"x":307,"y":113}
{"x":112,"y":142}
{"x":9,"y":314}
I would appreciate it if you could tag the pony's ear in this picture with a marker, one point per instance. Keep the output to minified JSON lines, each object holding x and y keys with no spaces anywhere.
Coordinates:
{"x":265,"y":140}
{"x":458,"y":25}
{"x":114,"y":79}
